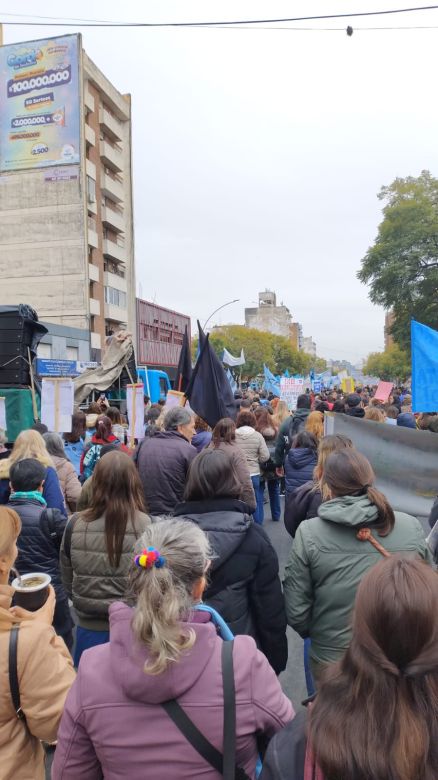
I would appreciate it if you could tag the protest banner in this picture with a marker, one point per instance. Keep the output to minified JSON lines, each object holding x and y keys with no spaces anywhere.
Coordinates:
{"x":135,"y":411}
{"x":347,"y":384}
{"x":383,"y":391}
{"x":57,"y":397}
{"x":405,"y":461}
{"x":174,"y":398}
{"x":290,"y":389}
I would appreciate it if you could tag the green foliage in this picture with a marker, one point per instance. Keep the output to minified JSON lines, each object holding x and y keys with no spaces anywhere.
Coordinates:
{"x":393,"y":365}
{"x":261,"y":347}
{"x":402,"y":265}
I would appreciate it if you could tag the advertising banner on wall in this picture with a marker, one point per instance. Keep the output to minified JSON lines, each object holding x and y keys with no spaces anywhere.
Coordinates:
{"x":39,"y":104}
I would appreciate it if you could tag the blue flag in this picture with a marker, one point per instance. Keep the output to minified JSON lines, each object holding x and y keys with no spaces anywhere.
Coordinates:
{"x":424,"y":345}
{"x":286,"y":374}
{"x":271,"y":384}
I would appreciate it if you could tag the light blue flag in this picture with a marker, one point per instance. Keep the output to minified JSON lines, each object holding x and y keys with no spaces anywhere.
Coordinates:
{"x":271,"y":384}
{"x":286,"y":374}
{"x":424,"y":346}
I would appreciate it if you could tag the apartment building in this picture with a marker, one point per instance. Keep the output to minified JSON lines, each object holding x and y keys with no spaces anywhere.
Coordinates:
{"x":66,"y":220}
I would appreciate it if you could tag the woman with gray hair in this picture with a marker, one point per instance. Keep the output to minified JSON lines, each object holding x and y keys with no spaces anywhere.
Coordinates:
{"x":68,"y":479}
{"x":165,"y":669}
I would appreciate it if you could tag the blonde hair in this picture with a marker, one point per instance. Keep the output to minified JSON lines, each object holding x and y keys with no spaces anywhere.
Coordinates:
{"x":163,"y":596}
{"x":281,"y":413}
{"x":10,"y":527}
{"x":375,"y":414}
{"x":315,"y":424}
{"x":30,"y":444}
{"x":327,"y":445}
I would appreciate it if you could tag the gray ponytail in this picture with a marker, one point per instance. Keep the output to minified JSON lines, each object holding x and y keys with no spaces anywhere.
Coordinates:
{"x":163,"y":596}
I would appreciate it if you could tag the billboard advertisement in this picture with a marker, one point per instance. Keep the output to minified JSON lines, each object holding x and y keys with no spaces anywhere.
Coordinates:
{"x":39,"y":104}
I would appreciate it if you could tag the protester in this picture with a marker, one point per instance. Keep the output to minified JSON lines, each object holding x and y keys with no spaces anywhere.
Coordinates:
{"x":97,"y":546}
{"x":74,"y":442}
{"x":243,"y":582}
{"x":68,"y":479}
{"x":151,"y":418}
{"x":4,"y":452}
{"x":392,"y":412}
{"x":330,"y":554}
{"x":300,"y":461}
{"x":163,"y":461}
{"x":87,"y":488}
{"x":30,"y":444}
{"x":93,"y":412}
{"x":102,"y":436}
{"x":117,"y":428}
{"x":304,"y":501}
{"x":290,"y":427}
{"x":339,"y":406}
{"x":281,"y":413}
{"x":254,"y":448}
{"x":41,"y":534}
{"x":163,"y":649}
{"x":315,"y":424}
{"x":375,"y":715}
{"x":202,"y":437}
{"x":266,"y":426}
{"x":44,"y":669}
{"x":224,"y":439}
{"x":406,"y":419}
{"x":354,"y":407}
{"x":375,"y":414}
{"x":427,"y":421}
{"x":40,"y":427}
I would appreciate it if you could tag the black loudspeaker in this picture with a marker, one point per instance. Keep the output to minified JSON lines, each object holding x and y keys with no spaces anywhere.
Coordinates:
{"x":19,"y":331}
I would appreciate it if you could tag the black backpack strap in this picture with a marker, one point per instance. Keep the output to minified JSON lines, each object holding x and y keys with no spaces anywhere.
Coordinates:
{"x":68,"y":533}
{"x":223,"y":763}
{"x":13,"y":673}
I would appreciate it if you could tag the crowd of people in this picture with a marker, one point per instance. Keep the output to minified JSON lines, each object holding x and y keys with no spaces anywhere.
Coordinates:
{"x":161,"y":642}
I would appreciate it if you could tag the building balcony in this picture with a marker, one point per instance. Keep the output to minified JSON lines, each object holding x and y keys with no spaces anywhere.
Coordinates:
{"x":94,"y":307}
{"x":88,"y":99}
{"x":113,"y":280}
{"x":90,"y":169}
{"x":115,"y":313}
{"x":114,"y":219}
{"x":92,"y":237}
{"x":90,"y":135}
{"x":110,"y":124}
{"x":93,"y":272}
{"x":112,"y":188}
{"x":111,"y":156}
{"x":116,"y":251}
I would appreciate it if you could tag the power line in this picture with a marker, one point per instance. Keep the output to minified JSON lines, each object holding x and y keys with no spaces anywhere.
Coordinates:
{"x":91,"y":23}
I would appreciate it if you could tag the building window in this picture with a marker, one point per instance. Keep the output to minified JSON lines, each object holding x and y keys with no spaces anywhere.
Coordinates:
{"x":72,"y":353}
{"x":115,"y":297}
{"x":44,"y":351}
{"x":91,"y":190}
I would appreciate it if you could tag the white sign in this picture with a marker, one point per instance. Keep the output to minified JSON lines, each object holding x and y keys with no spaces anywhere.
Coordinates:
{"x":290,"y":389}
{"x":57,"y":399}
{"x":3,"y":425}
{"x":135,"y":410}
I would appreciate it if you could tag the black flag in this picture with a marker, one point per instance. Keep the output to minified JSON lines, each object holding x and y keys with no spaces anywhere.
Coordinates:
{"x":209,"y":391}
{"x":184,"y":370}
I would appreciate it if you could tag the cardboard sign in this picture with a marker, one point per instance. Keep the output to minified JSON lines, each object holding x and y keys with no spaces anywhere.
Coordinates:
{"x":135,"y":411}
{"x":174,"y":398}
{"x":347,"y":385}
{"x":384,"y":390}
{"x":57,"y":398}
{"x":290,"y":389}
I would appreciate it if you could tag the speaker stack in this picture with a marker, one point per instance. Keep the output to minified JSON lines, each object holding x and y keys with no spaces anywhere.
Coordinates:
{"x":19,"y":331}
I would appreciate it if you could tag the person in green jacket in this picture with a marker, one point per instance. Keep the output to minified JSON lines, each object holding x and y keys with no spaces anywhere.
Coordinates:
{"x":289,"y":428}
{"x":328,"y":560}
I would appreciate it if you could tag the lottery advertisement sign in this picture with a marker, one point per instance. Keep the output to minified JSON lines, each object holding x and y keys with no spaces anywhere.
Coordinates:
{"x":39,"y":104}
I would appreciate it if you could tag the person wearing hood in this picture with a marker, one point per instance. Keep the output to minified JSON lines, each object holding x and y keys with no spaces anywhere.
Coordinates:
{"x":243,"y":582}
{"x":44,"y":669}
{"x":165,"y":654}
{"x":253,"y":446}
{"x":333,"y":551}
{"x":300,"y":461}
{"x":289,"y":428}
{"x":354,"y":407}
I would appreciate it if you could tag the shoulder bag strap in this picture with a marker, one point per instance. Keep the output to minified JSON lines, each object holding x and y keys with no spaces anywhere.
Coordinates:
{"x":229,"y":746}
{"x":13,"y":673}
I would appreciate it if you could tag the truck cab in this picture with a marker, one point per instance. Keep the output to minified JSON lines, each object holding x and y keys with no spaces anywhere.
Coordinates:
{"x":156,"y":383}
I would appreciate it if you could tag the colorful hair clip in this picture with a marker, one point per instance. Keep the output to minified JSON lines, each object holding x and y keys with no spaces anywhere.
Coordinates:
{"x":149,"y":558}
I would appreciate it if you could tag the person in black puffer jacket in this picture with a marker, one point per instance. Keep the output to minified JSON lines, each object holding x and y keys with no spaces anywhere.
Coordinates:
{"x":300,"y":461}
{"x":40,"y":537}
{"x":244,"y":585}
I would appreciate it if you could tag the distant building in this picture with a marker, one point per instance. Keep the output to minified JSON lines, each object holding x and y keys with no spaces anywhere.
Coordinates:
{"x":389,"y":321}
{"x":309,"y":346}
{"x":296,"y":335}
{"x":270,"y":317}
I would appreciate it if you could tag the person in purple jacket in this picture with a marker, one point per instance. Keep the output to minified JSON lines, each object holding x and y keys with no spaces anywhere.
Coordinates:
{"x":30,"y":444}
{"x":163,"y":650}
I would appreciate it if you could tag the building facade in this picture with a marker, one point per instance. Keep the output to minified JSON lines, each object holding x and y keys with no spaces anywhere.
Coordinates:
{"x":66,"y":225}
{"x":160,"y":334}
{"x":268,"y":316}
{"x":309,"y":346}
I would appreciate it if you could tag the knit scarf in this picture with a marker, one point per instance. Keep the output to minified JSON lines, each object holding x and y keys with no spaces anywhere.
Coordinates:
{"x":29,"y":494}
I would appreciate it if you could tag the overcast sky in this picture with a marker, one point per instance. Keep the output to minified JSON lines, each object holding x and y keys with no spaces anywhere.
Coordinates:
{"x":259,"y":153}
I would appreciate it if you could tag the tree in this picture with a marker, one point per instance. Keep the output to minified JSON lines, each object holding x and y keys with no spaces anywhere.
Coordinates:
{"x":402,"y":265}
{"x":393,"y":365}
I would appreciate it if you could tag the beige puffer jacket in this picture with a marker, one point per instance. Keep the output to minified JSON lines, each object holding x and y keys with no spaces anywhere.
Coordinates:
{"x":68,"y":480}
{"x":254,"y":448}
{"x":88,"y":578}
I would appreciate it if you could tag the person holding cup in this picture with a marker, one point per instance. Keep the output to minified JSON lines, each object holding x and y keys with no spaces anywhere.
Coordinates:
{"x":44,"y":669}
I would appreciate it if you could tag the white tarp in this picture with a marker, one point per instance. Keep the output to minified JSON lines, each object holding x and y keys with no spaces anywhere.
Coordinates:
{"x":230,"y":360}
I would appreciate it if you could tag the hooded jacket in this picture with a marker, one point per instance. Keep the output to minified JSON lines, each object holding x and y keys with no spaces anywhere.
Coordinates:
{"x":301,"y":504}
{"x":253,"y":446}
{"x":244,"y":585}
{"x":52,"y":492}
{"x":327,"y":563}
{"x":163,"y":461}
{"x":298,"y":468}
{"x":45,"y":674}
{"x":114,"y":726}
{"x":290,"y":427}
